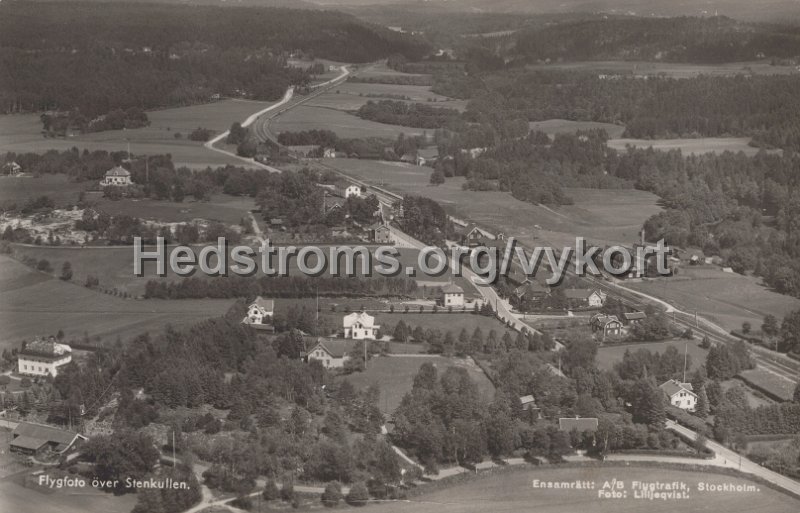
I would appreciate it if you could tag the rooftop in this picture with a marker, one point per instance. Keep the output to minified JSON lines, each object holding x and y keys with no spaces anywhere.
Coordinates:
{"x":336,"y":347}
{"x":118,"y":171}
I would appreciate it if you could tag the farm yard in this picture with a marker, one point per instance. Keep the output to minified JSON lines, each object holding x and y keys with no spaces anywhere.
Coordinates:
{"x":22,"y":133}
{"x":511,"y":492}
{"x":608,"y":355}
{"x":395,"y":376}
{"x":34,"y":303}
{"x":729,"y":299}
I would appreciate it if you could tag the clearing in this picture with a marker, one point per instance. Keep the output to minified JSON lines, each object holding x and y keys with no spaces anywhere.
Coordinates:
{"x":563,"y":126}
{"x":729,"y":299}
{"x":22,"y":133}
{"x":34,"y":303}
{"x":691,"y":146}
{"x":395,"y":376}
{"x":345,"y":125}
{"x":607,"y":356}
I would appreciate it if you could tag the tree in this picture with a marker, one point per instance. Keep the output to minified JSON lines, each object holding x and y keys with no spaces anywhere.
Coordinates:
{"x":770,"y":325}
{"x":271,"y":491}
{"x":66,"y":271}
{"x":702,"y":408}
{"x":746,"y":327}
{"x":359,"y":494}
{"x":332,"y":494}
{"x":796,"y":395}
{"x":437,"y":177}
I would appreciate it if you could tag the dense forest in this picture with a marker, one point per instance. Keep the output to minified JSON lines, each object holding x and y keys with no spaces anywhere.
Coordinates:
{"x":76,"y":57}
{"x":683,"y":39}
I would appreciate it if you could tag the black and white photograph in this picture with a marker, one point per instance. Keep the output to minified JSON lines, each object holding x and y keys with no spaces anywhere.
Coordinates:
{"x":399,"y":256}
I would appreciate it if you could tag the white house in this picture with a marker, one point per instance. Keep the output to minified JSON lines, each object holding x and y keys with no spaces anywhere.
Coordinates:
{"x":260,"y":311}
{"x":452,"y":295}
{"x":43,"y":357}
{"x":680,"y":394}
{"x":118,"y":176}
{"x":12,"y":169}
{"x":586,"y":297}
{"x":332,"y":352}
{"x":360,"y":325}
{"x":352,"y":190}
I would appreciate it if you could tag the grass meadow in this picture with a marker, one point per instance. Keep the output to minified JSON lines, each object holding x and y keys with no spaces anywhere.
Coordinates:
{"x":607,"y":356}
{"x":395,"y":376}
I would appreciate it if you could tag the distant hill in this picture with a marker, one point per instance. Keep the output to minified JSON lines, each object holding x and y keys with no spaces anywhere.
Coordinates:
{"x":760,"y":10}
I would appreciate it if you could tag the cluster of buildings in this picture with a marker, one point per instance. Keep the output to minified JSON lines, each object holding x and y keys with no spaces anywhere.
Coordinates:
{"x":611,"y":325}
{"x":33,"y":439}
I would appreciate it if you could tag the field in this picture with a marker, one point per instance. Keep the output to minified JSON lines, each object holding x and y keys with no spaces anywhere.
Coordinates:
{"x":32,"y":303}
{"x":563,"y":126}
{"x":754,"y":400}
{"x":22,"y":133}
{"x":220,"y":207}
{"x":729,"y":299}
{"x":511,"y":492}
{"x":602,"y":215}
{"x":444,"y":322}
{"x":607,"y":356}
{"x":672,"y":69}
{"x":352,"y":95}
{"x":769,"y":381}
{"x":18,"y":189}
{"x":345,"y":125}
{"x":395,"y":375}
{"x":691,"y":146}
{"x":19,"y":498}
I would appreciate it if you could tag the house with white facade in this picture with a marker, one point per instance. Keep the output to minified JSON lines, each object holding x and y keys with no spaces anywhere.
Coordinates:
{"x":360,"y":325}
{"x":260,"y":311}
{"x":352,"y":190}
{"x":43,"y":357}
{"x":585,"y":297}
{"x":118,"y":176}
{"x":680,"y":394}
{"x":333,"y":353}
{"x":452,"y":295}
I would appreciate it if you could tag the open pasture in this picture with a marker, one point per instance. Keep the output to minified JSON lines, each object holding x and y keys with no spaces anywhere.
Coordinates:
{"x":564,"y":126}
{"x":691,"y":146}
{"x":395,"y":376}
{"x":511,"y":492}
{"x":729,"y":299}
{"x":220,"y":207}
{"x":22,"y":133}
{"x":343,"y":124}
{"x":19,"y":189}
{"x":32,"y":303}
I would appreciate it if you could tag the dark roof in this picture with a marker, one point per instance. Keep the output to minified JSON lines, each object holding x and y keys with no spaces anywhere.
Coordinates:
{"x":673,"y":386}
{"x":452,"y":288}
{"x":28,"y":434}
{"x":336,"y":347}
{"x":48,"y":348}
{"x":581,"y":424}
{"x":118,"y":171}
{"x":266,"y":304}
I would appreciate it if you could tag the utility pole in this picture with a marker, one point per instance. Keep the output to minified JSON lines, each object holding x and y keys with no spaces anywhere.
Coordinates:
{"x":174,"y":461}
{"x":685,"y":352}
{"x":365,"y":354}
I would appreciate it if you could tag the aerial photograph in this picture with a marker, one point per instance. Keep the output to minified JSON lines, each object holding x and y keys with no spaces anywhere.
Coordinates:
{"x":399,"y":256}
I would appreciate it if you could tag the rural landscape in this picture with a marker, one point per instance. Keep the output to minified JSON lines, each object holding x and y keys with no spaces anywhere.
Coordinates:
{"x":459,"y":136}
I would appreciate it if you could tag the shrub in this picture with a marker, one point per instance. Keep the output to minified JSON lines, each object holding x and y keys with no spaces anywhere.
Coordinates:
{"x":332,"y":494}
{"x":359,"y":495}
{"x":271,"y":491}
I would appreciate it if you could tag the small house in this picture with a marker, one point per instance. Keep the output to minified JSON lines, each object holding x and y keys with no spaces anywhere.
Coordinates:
{"x":680,"y":394}
{"x":117,"y":176}
{"x":360,"y":325}
{"x":379,"y":233}
{"x":333,"y":353}
{"x":452,"y":295}
{"x":607,"y":325}
{"x":585,"y":297}
{"x":629,"y":318}
{"x":260,"y":311}
{"x":353,"y":191}
{"x":12,"y":169}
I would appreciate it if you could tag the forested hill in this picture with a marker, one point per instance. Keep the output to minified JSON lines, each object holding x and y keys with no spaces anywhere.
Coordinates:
{"x":96,"y":59}
{"x":698,"y":40}
{"x":80,"y":25}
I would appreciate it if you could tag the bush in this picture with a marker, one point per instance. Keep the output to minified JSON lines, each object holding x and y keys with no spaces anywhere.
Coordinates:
{"x":271,"y":491}
{"x":359,"y":495}
{"x":287,"y":492}
{"x":332,"y":494}
{"x":4,"y":380}
{"x":25,"y":383}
